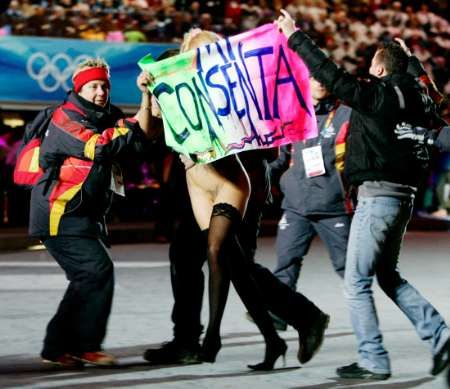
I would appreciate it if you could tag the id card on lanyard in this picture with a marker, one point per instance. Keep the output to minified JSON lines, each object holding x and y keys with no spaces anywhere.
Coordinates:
{"x":313,"y":156}
{"x":117,"y":185}
{"x":313,"y":161}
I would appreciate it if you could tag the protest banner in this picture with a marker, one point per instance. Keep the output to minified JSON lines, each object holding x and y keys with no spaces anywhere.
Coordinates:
{"x":246,"y":92}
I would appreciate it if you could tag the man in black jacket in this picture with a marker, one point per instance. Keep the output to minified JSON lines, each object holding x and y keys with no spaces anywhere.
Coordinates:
{"x":315,"y":199}
{"x":386,"y":172}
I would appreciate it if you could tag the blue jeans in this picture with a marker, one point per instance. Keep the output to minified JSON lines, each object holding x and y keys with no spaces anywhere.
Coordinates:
{"x":376,"y":235}
{"x":294,"y":236}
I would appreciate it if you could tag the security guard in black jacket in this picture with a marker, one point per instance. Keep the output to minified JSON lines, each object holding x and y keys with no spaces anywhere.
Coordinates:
{"x":387,"y":173}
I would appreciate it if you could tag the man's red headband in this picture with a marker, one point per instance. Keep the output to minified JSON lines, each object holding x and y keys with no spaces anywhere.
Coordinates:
{"x":90,"y":74}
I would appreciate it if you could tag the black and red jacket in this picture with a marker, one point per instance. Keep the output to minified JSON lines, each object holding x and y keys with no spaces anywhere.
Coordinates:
{"x":82,"y":143}
{"x":324,"y":195}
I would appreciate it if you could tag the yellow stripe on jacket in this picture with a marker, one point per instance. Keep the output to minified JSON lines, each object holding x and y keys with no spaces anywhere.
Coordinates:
{"x":119,"y":131}
{"x":59,"y":206}
{"x":340,"y":157}
{"x":34,"y":163}
{"x":89,"y":148}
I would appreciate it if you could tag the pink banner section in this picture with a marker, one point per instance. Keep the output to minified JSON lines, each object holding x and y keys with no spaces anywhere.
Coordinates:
{"x":263,"y":87}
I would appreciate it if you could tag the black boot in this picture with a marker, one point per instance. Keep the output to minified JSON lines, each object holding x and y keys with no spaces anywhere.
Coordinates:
{"x":174,"y":353}
{"x":295,"y":309}
{"x":311,"y":338}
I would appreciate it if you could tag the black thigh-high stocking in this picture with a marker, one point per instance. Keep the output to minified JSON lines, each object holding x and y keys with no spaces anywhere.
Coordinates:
{"x":218,"y":285}
{"x":225,"y":220}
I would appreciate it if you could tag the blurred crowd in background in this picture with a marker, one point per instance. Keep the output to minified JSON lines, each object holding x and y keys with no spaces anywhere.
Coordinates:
{"x":348,"y":30}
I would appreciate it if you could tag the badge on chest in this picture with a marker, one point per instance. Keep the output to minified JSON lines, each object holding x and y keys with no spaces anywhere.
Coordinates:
{"x":313,"y":161}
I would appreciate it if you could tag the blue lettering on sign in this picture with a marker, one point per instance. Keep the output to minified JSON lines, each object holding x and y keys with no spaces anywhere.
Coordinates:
{"x":259,"y":54}
{"x":158,"y":91}
{"x":197,"y":126}
{"x":205,"y":98}
{"x":286,"y":80}
{"x":242,"y":82}
{"x":230,"y":50}
{"x":232,"y":79}
{"x":231,"y":86}
{"x":224,"y":111}
{"x":248,"y":83}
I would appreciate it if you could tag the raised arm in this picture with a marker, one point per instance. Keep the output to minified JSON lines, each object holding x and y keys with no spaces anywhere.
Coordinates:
{"x":363,"y":95}
{"x":416,"y":69}
{"x":144,"y":114}
{"x":71,"y":137}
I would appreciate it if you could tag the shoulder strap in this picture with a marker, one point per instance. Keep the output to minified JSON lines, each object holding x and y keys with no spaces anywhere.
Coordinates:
{"x":37,"y":128}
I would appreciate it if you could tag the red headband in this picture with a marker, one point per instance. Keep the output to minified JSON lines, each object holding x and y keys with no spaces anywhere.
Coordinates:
{"x":90,"y":74}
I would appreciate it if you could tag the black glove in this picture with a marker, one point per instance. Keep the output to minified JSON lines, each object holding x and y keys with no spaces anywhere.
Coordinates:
{"x":417,"y":134}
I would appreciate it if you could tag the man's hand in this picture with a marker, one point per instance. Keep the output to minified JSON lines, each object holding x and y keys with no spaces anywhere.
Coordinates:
{"x":285,"y":23}
{"x":143,"y":115}
{"x":416,"y":134}
{"x":402,"y":44}
{"x":143,"y":81}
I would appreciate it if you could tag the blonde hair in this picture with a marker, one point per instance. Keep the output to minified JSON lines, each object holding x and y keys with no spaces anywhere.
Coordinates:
{"x":196,"y":38}
{"x":91,"y":63}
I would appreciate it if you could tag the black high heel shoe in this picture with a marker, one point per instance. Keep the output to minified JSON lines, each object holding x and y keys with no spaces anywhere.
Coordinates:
{"x":273,"y":352}
{"x":210,"y":348}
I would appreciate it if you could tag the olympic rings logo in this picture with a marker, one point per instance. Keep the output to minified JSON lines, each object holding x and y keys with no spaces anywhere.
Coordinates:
{"x":53,"y":73}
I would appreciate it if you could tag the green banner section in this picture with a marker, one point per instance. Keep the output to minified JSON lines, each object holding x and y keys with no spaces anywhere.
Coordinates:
{"x":184,"y":101}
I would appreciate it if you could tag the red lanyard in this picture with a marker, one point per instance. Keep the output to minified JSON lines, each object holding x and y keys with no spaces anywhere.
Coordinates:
{"x":330,"y":118}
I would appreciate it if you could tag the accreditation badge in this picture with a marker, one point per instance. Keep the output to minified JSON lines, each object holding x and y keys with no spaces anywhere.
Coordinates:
{"x":313,"y":161}
{"x":117,"y":185}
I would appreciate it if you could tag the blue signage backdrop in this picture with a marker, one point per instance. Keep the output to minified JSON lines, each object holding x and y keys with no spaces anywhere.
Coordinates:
{"x":39,"y":70}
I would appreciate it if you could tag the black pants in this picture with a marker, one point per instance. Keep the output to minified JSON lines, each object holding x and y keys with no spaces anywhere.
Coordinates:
{"x":187,"y":256}
{"x":79,"y":324}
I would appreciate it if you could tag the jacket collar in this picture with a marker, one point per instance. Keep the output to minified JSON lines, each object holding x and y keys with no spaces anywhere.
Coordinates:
{"x":325,"y":105}
{"x":98,"y":116}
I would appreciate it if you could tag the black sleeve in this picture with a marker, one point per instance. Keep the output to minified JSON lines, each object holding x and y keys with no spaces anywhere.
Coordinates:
{"x":415,"y":68}
{"x":281,"y":164}
{"x":366,"y":96}
{"x":70,"y":136}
